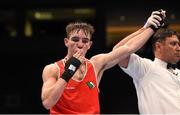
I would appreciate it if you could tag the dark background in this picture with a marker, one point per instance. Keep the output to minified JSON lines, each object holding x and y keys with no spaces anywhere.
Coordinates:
{"x":23,"y":57}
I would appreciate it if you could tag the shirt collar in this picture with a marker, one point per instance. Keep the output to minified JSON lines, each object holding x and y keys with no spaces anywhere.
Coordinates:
{"x":160,"y":62}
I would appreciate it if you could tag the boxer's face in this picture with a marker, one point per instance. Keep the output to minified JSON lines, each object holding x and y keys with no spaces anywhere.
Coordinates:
{"x":78,"y":40}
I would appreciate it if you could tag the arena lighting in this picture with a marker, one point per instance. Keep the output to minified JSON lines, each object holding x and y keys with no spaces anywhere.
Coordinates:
{"x":43,"y":15}
{"x":119,"y":29}
{"x":115,"y":33}
{"x":87,"y":11}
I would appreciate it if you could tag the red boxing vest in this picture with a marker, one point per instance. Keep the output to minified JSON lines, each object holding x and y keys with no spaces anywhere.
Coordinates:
{"x":79,"y":97}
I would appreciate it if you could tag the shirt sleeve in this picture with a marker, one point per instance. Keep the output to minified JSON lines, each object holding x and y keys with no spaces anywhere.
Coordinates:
{"x":137,"y":67}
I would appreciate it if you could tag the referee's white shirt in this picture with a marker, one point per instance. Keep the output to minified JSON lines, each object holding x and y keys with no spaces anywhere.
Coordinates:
{"x":158,"y":89}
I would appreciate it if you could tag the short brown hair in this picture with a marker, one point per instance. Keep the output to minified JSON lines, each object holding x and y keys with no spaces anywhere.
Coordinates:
{"x":162,"y":34}
{"x":87,"y":28}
